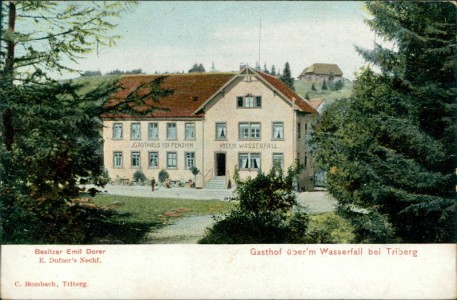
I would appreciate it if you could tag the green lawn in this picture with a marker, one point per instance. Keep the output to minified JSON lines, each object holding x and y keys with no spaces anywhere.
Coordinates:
{"x":136,"y":216}
{"x":330,"y":96}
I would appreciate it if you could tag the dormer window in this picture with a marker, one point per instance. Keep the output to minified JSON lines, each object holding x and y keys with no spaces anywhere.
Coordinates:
{"x":248,"y":101}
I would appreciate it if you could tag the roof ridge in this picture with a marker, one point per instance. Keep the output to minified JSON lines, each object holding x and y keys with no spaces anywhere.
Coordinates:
{"x":178,"y":74}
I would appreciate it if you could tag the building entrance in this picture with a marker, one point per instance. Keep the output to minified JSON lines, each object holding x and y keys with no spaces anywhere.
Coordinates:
{"x":220,"y":164}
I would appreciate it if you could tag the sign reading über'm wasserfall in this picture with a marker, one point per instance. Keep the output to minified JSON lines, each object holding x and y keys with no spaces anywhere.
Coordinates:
{"x":249,"y":145}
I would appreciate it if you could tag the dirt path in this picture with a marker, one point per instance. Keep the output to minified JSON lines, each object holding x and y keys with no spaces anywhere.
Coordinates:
{"x":186,"y":230}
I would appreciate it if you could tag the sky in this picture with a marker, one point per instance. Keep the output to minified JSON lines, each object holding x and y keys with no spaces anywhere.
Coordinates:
{"x":171,"y":36}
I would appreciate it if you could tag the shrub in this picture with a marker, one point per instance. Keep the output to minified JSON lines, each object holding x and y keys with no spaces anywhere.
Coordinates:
{"x":264,"y":214}
{"x":163,"y":176}
{"x":139,"y":176}
{"x":194,"y":170}
{"x":329,"y":228}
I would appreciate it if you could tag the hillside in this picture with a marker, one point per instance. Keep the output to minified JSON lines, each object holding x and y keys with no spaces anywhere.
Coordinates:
{"x":92,"y":82}
{"x":330,"y":96}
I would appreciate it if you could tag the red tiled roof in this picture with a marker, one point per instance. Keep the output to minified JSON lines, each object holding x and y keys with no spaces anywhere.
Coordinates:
{"x":316,"y":102}
{"x":286,"y":91}
{"x":189,"y":92}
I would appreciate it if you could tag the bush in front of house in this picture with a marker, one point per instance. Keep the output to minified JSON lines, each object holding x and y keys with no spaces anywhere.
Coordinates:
{"x":265,"y":213}
{"x":139,"y":176}
{"x":329,"y":228}
{"x":163,"y":176}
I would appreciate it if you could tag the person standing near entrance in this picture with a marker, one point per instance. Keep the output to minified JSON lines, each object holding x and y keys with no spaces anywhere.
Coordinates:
{"x":153,"y":184}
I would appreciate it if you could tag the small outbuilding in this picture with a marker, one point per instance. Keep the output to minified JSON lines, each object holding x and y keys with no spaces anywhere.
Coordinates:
{"x":319,"y":72}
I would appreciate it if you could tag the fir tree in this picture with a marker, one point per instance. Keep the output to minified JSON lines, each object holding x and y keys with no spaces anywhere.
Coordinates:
{"x":324,"y":86}
{"x":390,"y":150}
{"x":313,"y":87}
{"x":273,"y":70}
{"x":287,"y":77}
{"x":51,"y":129}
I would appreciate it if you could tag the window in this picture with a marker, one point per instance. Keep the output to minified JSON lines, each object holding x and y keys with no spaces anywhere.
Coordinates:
{"x":153,"y":159}
{"x":172,"y":159}
{"x":171,"y":131}
{"x":239,"y":101}
{"x":190,"y":131}
{"x":258,"y":101}
{"x":117,"y":131}
{"x":189,"y":159}
{"x":117,"y":159}
{"x":249,"y":131}
{"x":221,"y":131}
{"x":278,"y":160}
{"x":135,"y":132}
{"x":298,"y":130}
{"x":135,"y":159}
{"x":249,"y":101}
{"x":249,"y":161}
{"x":305,"y":161}
{"x":153,"y":131}
{"x":278,"y":130}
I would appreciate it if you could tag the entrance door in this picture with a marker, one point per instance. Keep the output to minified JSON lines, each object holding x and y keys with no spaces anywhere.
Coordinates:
{"x":220,"y":164}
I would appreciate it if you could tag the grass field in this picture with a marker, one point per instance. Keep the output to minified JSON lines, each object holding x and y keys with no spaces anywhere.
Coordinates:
{"x":138,"y":215}
{"x":330,"y":96}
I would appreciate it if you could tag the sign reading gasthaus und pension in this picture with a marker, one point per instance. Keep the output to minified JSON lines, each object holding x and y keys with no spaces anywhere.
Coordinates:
{"x":165,"y":145}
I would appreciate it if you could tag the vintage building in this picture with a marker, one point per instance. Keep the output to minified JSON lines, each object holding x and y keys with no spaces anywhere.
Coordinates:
{"x":217,"y":122}
{"x":319,"y":72}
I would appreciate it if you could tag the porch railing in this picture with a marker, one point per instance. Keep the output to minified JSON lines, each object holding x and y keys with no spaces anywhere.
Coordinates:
{"x":207,"y":177}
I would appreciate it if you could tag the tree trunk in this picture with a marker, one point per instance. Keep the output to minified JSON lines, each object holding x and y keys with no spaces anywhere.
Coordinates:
{"x":8,"y":77}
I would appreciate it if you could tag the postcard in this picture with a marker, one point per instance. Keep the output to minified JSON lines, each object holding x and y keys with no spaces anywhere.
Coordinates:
{"x":228,"y":150}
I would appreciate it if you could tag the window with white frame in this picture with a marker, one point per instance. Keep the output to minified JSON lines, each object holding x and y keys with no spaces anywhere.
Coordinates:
{"x":249,"y":161}
{"x":278,"y":160}
{"x":171,"y":131}
{"x":135,"y":159}
{"x":153,"y":160}
{"x":221,"y":131}
{"x":298,"y":130}
{"x":117,"y":159}
{"x":248,"y":101}
{"x":249,"y":131}
{"x":117,"y":131}
{"x":153,"y":131}
{"x":189,"y":159}
{"x":190,"y":131}
{"x":278,"y":130}
{"x":135,"y":132}
{"x":172,"y":159}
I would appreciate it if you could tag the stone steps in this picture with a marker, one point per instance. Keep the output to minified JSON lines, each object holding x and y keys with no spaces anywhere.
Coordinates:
{"x":216,"y":183}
